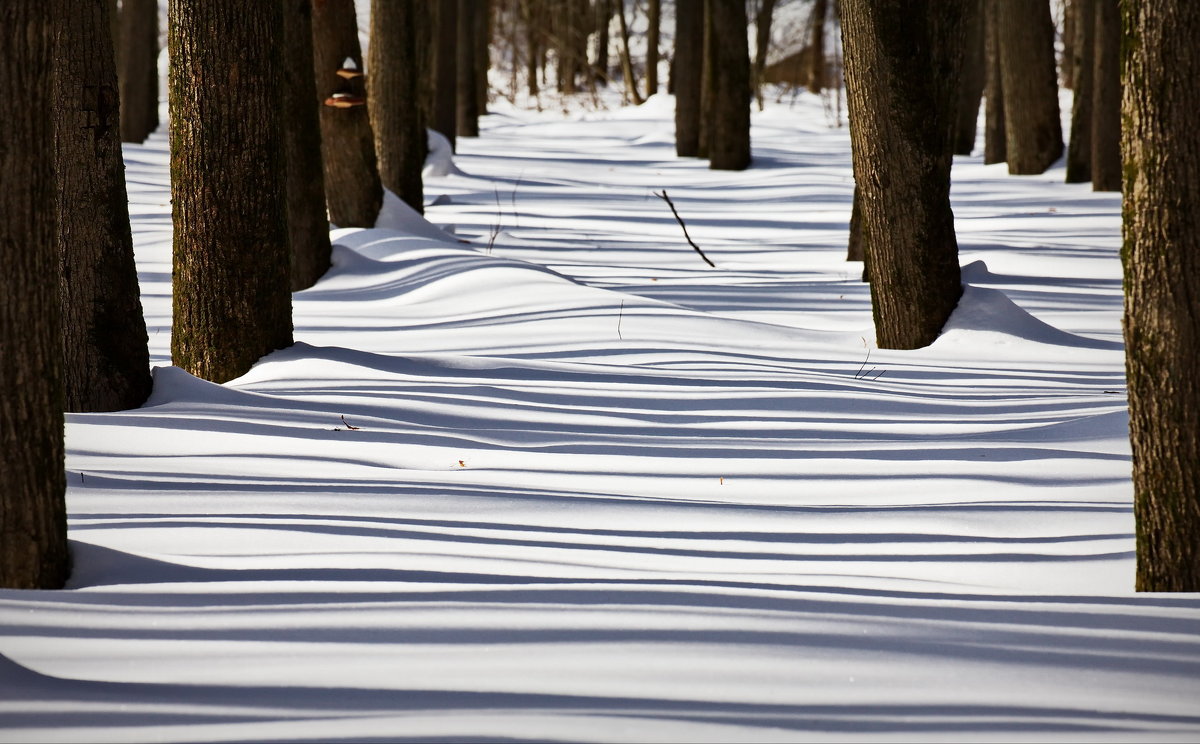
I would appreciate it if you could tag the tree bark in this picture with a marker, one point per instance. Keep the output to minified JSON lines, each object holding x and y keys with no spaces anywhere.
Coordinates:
{"x":531,"y":10}
{"x":308,"y":227}
{"x":468,"y":101}
{"x":995,"y":145}
{"x":816,"y":70}
{"x":689,"y":48}
{"x":973,"y":77}
{"x":762,"y":44}
{"x":1161,"y":149}
{"x":1032,"y":123}
{"x":603,"y":16}
{"x":352,"y":188}
{"x":902,"y":61}
{"x":393,"y":87}
{"x":106,"y":364}
{"x":729,"y":111}
{"x":1079,"y":149}
{"x":445,"y":89}
{"x":653,"y":15}
{"x":137,"y":57}
{"x":33,"y":522}
{"x":483,"y":35}
{"x":1106,"y":98}
{"x":1068,"y":65}
{"x":232,"y":299}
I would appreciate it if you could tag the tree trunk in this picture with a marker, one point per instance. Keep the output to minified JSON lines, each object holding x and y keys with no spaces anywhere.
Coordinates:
{"x":138,"y":68}
{"x":626,"y":61}
{"x":106,"y":363}
{"x":762,"y":44}
{"x":445,"y":89}
{"x":995,"y":145}
{"x":689,"y":49}
{"x":468,"y":102}
{"x":1161,"y":148}
{"x":1079,"y":149}
{"x":653,"y":14}
{"x":974,"y":72}
{"x":393,"y":87}
{"x":232,"y":299}
{"x":531,"y":9}
{"x":855,"y":249}
{"x":1032,"y":122}
{"x":816,"y":59}
{"x":33,"y":522}
{"x":603,"y":16}
{"x":729,"y":113}
{"x":308,"y":227}
{"x":1068,"y":65}
{"x":483,"y":35}
{"x":352,"y":188}
{"x":903,"y":60}
{"x":1106,"y":98}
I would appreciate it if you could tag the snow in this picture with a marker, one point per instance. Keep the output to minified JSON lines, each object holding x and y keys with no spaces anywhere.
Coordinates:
{"x":565,"y":481}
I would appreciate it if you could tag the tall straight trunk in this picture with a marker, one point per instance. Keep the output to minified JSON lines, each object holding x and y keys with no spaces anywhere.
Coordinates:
{"x":1161,"y":149}
{"x":308,"y":227}
{"x":445,"y":71}
{"x":600,"y":65}
{"x":1068,"y":65}
{"x":1032,"y":123}
{"x":232,"y":298}
{"x":903,"y":59}
{"x":816,"y":59}
{"x":393,"y":88}
{"x":729,"y":111}
{"x":971,"y":87}
{"x":531,"y":10}
{"x":352,"y":188}
{"x":855,"y":248}
{"x":137,"y":57}
{"x":653,"y":16}
{"x":708,"y":54}
{"x":106,"y":365}
{"x":1106,"y":98}
{"x":762,"y":44}
{"x":468,"y":100}
{"x":689,"y":53}
{"x":33,"y":521}
{"x":483,"y":62}
{"x":1079,"y":149}
{"x":631,"y":86}
{"x":995,"y":144}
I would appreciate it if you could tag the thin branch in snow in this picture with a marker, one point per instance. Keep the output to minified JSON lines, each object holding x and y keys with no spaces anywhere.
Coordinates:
{"x":667,"y":199}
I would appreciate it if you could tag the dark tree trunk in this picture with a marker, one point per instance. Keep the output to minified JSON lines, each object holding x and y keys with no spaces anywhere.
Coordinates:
{"x":308,"y":227}
{"x":483,"y":35}
{"x":855,"y":250}
{"x":1068,"y":65}
{"x":816,"y":70}
{"x":445,"y":89}
{"x":1079,"y":149}
{"x":762,"y":44}
{"x":729,"y":111}
{"x":137,"y":56}
{"x":600,"y":66}
{"x":971,"y":88}
{"x":1106,"y":98}
{"x":653,"y":14}
{"x":106,"y":365}
{"x":468,"y":101}
{"x":1161,"y":147}
{"x":33,"y":522}
{"x":232,"y":298}
{"x":903,"y":59}
{"x":531,"y":9}
{"x":1032,"y":122}
{"x":352,"y":188}
{"x":627,"y":61}
{"x":689,"y":49}
{"x":995,"y":144}
{"x":707,"y":81}
{"x":393,"y":87}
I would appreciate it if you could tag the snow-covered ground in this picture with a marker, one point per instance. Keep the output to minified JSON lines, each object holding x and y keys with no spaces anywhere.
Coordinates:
{"x":555,"y":478}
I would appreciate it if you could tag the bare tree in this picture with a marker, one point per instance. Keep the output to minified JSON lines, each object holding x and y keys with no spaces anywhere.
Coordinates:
{"x":33,"y":522}
{"x":762,"y":44}
{"x":468,"y":100}
{"x":995,"y":144}
{"x":973,"y":78}
{"x":1032,"y":123}
{"x":393,"y":88}
{"x":816,"y":57}
{"x":1079,"y":149}
{"x":626,"y":61}
{"x":1106,"y":98}
{"x":653,"y":16}
{"x":137,"y":59}
{"x":902,"y":61}
{"x":727,"y":111}
{"x":1161,"y":149}
{"x":689,"y":50}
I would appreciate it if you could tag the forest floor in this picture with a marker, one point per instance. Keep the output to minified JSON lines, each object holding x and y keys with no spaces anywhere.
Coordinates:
{"x":555,"y":478}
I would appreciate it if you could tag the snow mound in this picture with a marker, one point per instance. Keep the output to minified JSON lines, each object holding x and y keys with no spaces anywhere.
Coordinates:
{"x":398,"y":216}
{"x":440,"y":160}
{"x":989,"y":315}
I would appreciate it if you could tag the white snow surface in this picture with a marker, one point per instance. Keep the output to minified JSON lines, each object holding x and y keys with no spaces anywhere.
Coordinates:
{"x":566,"y":482}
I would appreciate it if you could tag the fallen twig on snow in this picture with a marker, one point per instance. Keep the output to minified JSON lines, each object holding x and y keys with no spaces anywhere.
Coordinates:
{"x":667,"y":199}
